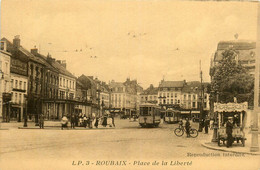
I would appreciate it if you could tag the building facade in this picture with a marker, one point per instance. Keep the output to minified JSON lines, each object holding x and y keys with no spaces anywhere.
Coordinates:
{"x":245,"y":53}
{"x":19,"y":79}
{"x":150,"y":95}
{"x":170,"y":93}
{"x":5,"y":82}
{"x":125,"y":97}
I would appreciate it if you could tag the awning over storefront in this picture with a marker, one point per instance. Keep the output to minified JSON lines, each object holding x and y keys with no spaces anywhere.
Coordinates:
{"x":195,"y":112}
{"x":230,"y":107}
{"x":185,"y":112}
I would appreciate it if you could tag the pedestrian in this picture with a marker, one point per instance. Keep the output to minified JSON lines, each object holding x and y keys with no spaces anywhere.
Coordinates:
{"x":187,"y":127}
{"x":85,"y":121}
{"x":96,"y":122}
{"x":201,"y":125}
{"x":104,"y":123}
{"x":113,"y":120}
{"x":206,"y":125}
{"x":64,"y":122}
{"x":41,"y":121}
{"x":180,"y":123}
{"x":72,"y":121}
{"x":229,"y":129}
{"x":77,"y":120}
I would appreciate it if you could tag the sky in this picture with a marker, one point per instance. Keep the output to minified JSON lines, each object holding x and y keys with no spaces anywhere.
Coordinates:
{"x":143,"y":40}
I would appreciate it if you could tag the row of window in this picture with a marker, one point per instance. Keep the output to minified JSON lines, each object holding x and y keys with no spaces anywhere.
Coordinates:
{"x":67,"y":83}
{"x":170,"y":89}
{"x":168,"y":94}
{"x":169,"y":101}
{"x":150,"y":98}
{"x":17,"y":98}
{"x":18,"y":84}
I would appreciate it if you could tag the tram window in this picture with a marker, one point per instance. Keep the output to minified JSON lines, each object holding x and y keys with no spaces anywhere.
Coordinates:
{"x":144,"y":110}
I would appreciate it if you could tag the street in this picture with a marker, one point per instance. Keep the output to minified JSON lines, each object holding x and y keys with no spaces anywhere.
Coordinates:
{"x":128,"y":142}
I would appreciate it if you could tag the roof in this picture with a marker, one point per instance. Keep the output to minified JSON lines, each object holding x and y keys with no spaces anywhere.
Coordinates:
{"x":61,"y":69}
{"x":116,"y":84}
{"x":237,"y":45}
{"x":24,"y":51}
{"x":172,"y":84}
{"x":151,"y":91}
{"x":243,"y":55}
{"x":193,"y":87}
{"x":48,"y":65}
{"x":31,"y":56}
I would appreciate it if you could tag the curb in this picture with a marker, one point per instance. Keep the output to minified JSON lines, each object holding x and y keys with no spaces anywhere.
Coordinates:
{"x":225,"y":150}
{"x":59,"y":128}
{"x":4,"y":129}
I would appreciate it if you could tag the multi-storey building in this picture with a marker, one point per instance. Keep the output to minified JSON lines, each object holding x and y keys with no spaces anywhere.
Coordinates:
{"x":50,"y":86}
{"x":83,"y":105}
{"x":19,"y":79}
{"x":125,"y":96}
{"x":93,"y":93}
{"x":245,"y":54}
{"x":193,"y":93}
{"x":169,"y":93}
{"x":150,"y":95}
{"x":118,"y":96}
{"x":5,"y":83}
{"x":63,"y":86}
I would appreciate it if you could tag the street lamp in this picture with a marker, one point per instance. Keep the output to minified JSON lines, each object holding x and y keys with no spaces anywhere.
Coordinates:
{"x":254,"y":142}
{"x":215,"y":123}
{"x":25,"y":116}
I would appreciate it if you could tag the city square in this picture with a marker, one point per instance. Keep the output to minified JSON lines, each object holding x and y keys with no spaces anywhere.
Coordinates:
{"x":69,"y":149}
{"x":129,"y":85}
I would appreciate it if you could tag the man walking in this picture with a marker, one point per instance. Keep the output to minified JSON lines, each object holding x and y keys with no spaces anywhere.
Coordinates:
{"x":229,"y":127}
{"x":73,"y":121}
{"x":41,"y":121}
{"x":206,"y":125}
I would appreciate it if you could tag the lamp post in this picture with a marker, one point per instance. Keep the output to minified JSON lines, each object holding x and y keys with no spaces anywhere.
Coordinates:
{"x":25,"y":116}
{"x":254,"y":142}
{"x":215,"y":116}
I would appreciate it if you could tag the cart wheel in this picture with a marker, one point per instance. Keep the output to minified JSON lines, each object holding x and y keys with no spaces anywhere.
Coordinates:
{"x":243,"y":142}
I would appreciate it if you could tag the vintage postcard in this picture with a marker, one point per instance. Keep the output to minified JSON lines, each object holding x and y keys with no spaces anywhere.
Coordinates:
{"x":133,"y":84}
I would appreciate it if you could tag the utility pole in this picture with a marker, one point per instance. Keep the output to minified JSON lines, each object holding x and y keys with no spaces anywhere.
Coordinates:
{"x":202,"y":100}
{"x":254,"y":130}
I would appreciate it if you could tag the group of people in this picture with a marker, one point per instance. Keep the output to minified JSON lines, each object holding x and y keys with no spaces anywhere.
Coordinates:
{"x":204,"y":124}
{"x":82,"y":120}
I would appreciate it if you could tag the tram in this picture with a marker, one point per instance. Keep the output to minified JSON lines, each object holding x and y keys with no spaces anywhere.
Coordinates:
{"x":172,"y":116}
{"x":149,"y":115}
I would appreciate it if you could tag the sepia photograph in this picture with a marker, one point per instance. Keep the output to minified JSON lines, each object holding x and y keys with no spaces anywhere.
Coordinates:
{"x":129,"y":85}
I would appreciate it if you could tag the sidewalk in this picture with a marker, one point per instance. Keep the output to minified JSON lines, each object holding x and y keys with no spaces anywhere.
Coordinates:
{"x":50,"y":125}
{"x":236,"y":147}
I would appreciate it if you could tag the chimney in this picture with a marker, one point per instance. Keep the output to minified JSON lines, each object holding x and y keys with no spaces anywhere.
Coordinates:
{"x":34,"y":51}
{"x":17,"y":41}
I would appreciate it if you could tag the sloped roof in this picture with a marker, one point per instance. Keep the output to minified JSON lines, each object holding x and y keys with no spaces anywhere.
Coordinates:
{"x":24,"y":51}
{"x":61,"y":69}
{"x":172,"y":84}
{"x":243,"y":55}
{"x":116,"y":84}
{"x":150,"y":91}
{"x":48,"y":65}
{"x":237,"y":45}
{"x":193,"y":86}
